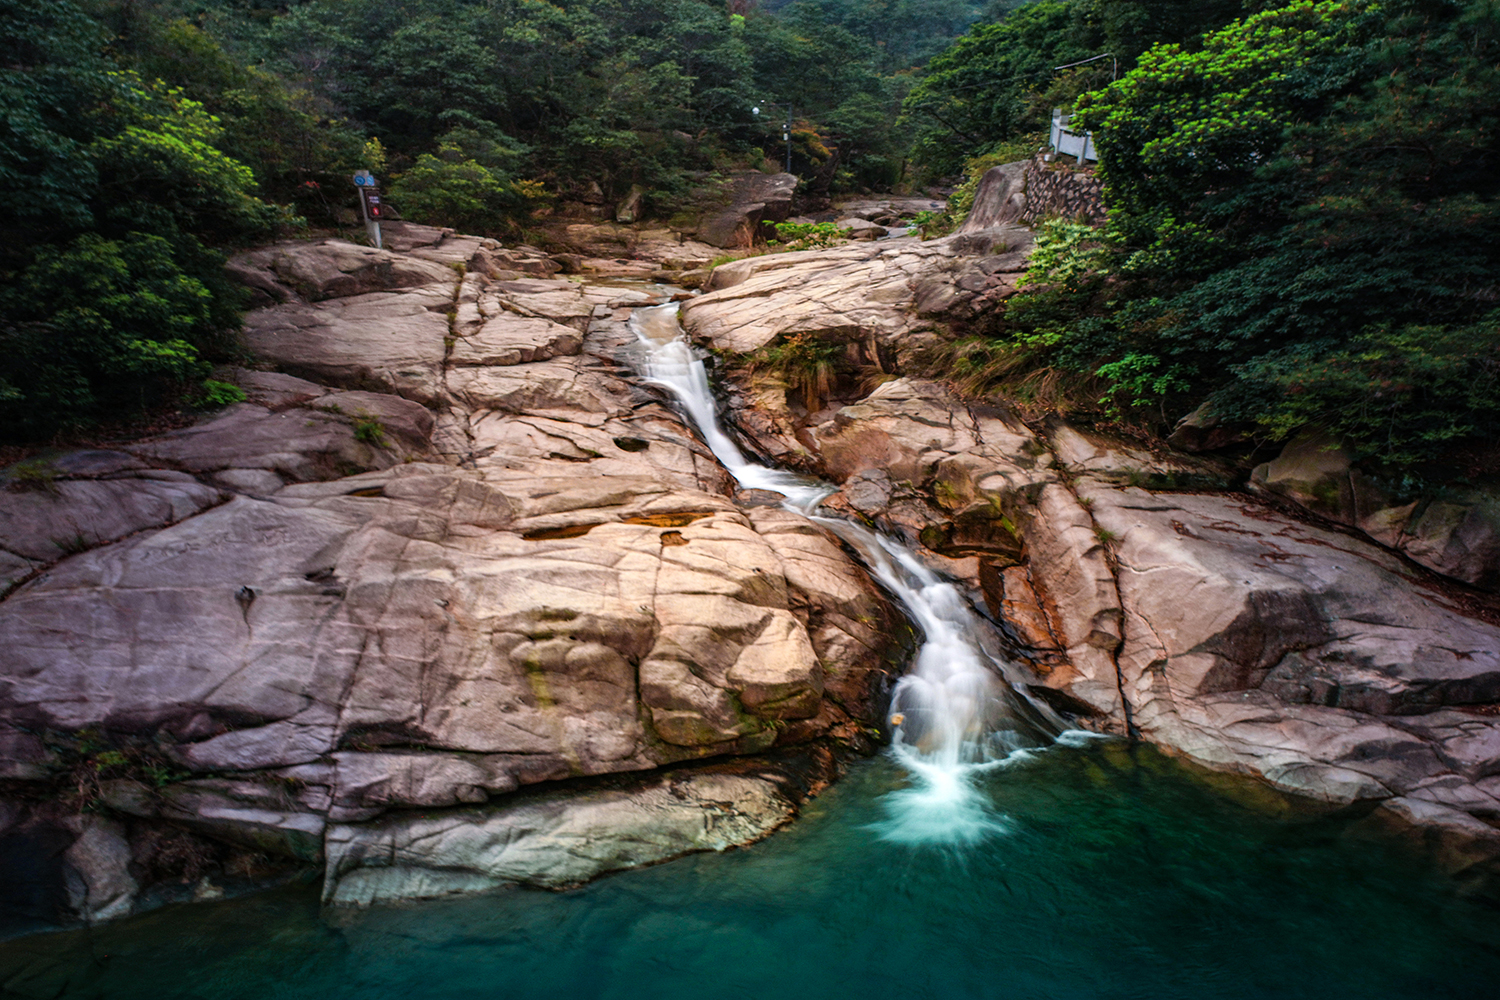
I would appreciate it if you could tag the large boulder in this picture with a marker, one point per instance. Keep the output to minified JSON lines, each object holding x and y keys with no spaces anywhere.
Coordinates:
{"x":1203,"y":430}
{"x":331,"y":269}
{"x":1258,"y":643}
{"x":1455,"y":532}
{"x":384,"y":341}
{"x":557,"y":840}
{"x":847,"y":293}
{"x":89,"y":499}
{"x":754,"y":199}
{"x":891,"y":292}
{"x":629,"y":208}
{"x":332,"y":435}
{"x":860,"y":229}
{"x":1000,"y":198}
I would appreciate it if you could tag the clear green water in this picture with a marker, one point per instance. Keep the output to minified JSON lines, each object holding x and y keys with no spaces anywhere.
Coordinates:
{"x":1121,"y":875}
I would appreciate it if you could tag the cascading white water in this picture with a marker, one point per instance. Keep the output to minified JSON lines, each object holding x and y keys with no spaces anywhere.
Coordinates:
{"x":952,"y":714}
{"x":670,"y":362}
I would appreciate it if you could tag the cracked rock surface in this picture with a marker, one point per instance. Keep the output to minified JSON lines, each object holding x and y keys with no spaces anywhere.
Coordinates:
{"x":451,"y":601}
{"x":450,"y":550}
{"x":890,"y":290}
{"x":1146,"y":598}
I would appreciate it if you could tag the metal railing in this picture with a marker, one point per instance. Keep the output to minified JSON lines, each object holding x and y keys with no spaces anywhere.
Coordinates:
{"x":1076,"y":144}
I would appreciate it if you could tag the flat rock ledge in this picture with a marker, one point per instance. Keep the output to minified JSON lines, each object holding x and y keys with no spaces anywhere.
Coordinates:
{"x":448,"y":550}
{"x":555,"y":840}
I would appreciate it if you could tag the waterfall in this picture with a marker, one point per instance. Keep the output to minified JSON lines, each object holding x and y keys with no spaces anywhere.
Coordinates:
{"x":961,"y":708}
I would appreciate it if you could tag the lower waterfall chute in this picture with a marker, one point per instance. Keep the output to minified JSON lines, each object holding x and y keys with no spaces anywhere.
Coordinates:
{"x":960,"y":710}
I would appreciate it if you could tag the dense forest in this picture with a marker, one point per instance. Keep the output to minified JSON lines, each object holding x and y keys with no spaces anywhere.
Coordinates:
{"x":1304,"y":231}
{"x":1302,"y":195}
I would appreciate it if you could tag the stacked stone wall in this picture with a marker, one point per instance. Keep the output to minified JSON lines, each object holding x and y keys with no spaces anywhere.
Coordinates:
{"x":1059,"y":188}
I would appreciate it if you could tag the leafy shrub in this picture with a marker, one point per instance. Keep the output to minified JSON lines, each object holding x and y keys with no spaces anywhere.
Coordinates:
{"x":463,"y":193}
{"x":215,"y":394}
{"x":370,"y":430}
{"x":1398,"y":394}
{"x":810,"y":235}
{"x":1139,"y":380}
{"x":804,"y":364}
{"x":114,"y":187}
{"x":164,"y":173}
{"x":1067,"y":255}
{"x":97,"y":327}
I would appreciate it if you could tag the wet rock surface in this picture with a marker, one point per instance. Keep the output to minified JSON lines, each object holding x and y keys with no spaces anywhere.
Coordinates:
{"x":453,"y":549}
{"x":559,"y":839}
{"x":452,"y":601}
{"x":1148,"y":600}
{"x":1210,"y":624}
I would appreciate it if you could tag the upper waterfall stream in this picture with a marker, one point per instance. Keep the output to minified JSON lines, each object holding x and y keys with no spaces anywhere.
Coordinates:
{"x":961,"y":707}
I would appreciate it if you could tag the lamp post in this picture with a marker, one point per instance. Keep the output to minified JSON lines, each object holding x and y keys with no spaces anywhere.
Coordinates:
{"x":786,"y":131}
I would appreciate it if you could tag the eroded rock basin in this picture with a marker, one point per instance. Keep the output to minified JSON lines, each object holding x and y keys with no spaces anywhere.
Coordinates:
{"x":1120,"y":874}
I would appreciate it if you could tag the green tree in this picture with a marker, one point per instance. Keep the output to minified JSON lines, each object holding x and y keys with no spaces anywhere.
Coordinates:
{"x":1302,"y":210}
{"x":164,"y":172}
{"x":451,"y":190}
{"x":97,"y":328}
{"x":115,"y":189}
{"x":57,"y":91}
{"x":1000,"y":80}
{"x":276,"y":131}
{"x":974,"y":94}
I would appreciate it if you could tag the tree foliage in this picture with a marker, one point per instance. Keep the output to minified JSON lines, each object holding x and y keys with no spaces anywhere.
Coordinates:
{"x":92,"y":327}
{"x":114,"y":189}
{"x":137,"y":136}
{"x":448,"y":189}
{"x":1000,"y":80}
{"x":1304,"y":227}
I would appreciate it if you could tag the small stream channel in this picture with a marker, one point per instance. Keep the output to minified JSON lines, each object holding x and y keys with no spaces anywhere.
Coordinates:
{"x":991,"y":854}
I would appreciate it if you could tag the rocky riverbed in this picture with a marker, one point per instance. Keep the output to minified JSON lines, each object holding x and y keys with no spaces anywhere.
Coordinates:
{"x":1234,"y":628}
{"x":453,"y":600}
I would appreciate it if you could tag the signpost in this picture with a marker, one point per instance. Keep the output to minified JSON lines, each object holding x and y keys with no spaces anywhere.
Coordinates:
{"x":369,"y":204}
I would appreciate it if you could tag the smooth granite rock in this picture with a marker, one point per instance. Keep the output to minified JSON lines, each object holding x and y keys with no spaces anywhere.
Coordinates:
{"x":473,"y":556}
{"x":1208,"y":623}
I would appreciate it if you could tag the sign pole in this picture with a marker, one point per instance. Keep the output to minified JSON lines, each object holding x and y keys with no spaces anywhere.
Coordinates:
{"x":369,"y":204}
